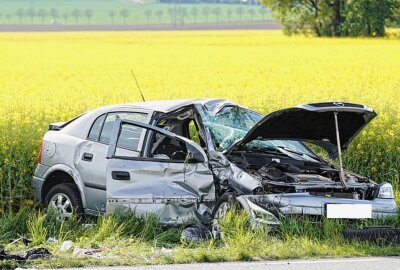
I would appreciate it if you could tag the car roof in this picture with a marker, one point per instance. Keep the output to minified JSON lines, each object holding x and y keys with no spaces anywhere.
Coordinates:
{"x":166,"y":106}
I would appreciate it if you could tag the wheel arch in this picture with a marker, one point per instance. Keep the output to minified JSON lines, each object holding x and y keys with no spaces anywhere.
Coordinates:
{"x":59,"y":174}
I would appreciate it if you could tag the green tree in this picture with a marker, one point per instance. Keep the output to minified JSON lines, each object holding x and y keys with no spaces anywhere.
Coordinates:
{"x":251,"y":12}
{"x":183,"y":13}
{"x":31,"y":14}
{"x":111,"y":14}
{"x":240,"y":12}
{"x":42,"y":13}
{"x":263,"y":11}
{"x":368,"y":17}
{"x":229,"y":13}
{"x":8,"y":17}
{"x":54,"y":13}
{"x":88,"y":14}
{"x":334,"y":17}
{"x":65,"y":16}
{"x":125,"y":14}
{"x":194,"y":12}
{"x":159,"y":13}
{"x":20,"y":13}
{"x":205,"y":11}
{"x":171,"y":13}
{"x":217,"y":12}
{"x":148,"y":14}
{"x":302,"y":16}
{"x":76,"y":13}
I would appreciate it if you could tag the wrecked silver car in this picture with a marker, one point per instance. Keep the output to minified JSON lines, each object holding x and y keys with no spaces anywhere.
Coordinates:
{"x":190,"y":160}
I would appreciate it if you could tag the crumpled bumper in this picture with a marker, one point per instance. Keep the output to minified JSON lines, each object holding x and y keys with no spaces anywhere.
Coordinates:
{"x":267,"y":209}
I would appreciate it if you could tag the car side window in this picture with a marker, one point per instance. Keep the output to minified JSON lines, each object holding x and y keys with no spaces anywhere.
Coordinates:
{"x":96,"y":128}
{"x":130,"y":135}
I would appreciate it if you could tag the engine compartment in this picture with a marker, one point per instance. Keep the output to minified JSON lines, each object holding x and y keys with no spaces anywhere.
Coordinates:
{"x":281,"y":174}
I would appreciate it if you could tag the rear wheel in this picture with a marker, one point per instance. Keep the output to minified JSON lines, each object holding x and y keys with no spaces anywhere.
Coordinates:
{"x":65,"y":200}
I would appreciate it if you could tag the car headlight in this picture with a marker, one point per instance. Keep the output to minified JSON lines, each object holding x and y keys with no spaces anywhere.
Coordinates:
{"x":386,"y":191}
{"x":262,"y":215}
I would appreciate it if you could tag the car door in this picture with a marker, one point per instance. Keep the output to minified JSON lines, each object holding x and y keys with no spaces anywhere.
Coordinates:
{"x":91,"y":154}
{"x":172,"y":180}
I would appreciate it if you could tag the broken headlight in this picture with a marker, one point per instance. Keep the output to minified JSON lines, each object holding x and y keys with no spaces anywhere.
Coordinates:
{"x":261,"y":214}
{"x":385,"y":191}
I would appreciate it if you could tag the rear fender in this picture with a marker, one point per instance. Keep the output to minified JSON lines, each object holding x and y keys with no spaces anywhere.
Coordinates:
{"x":73,"y":173}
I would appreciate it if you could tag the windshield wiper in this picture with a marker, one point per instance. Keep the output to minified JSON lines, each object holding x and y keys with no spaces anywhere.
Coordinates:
{"x":297,"y":152}
{"x":273,"y":151}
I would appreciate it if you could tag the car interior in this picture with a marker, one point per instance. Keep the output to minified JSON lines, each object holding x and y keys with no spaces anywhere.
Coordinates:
{"x":182,"y":123}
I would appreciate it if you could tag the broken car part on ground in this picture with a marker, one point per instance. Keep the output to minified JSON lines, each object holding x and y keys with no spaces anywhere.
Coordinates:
{"x":188,"y":160}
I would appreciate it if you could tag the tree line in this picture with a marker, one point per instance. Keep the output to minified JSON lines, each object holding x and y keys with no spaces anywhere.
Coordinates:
{"x":52,"y":13}
{"x":176,"y":14}
{"x":336,"y":17}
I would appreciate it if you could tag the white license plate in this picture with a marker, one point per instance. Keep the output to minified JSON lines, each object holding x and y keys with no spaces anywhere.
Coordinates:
{"x":349,"y":211}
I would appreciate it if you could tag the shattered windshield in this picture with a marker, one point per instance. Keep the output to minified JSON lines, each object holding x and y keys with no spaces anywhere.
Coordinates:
{"x":232,"y":124}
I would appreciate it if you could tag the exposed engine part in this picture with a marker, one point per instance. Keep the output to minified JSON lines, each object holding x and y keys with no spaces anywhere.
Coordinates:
{"x":292,"y":176}
{"x":309,"y":178}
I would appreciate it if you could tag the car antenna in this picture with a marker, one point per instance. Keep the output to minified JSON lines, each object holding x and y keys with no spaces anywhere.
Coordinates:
{"x":137,"y":84}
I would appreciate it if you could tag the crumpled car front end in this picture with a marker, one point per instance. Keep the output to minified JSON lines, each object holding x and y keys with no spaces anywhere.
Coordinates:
{"x":271,"y":194}
{"x":268,"y":209}
{"x":275,"y":174}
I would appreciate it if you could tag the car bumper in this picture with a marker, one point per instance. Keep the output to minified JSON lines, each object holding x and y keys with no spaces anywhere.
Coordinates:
{"x":276,"y":205}
{"x":38,"y":180}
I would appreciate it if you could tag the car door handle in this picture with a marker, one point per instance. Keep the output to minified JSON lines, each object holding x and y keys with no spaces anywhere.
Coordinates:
{"x":87,"y":157}
{"x":118,"y":175}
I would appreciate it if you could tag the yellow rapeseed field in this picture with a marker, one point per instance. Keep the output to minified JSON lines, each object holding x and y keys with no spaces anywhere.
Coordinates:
{"x":49,"y":77}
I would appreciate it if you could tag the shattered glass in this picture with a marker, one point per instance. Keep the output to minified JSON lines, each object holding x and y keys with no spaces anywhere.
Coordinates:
{"x":233,"y":123}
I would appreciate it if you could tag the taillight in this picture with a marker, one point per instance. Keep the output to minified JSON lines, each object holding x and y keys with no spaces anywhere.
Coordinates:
{"x":40,"y":152}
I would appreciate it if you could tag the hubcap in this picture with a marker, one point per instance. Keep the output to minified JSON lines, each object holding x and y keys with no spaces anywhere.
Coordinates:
{"x":62,"y":205}
{"x":222,"y":210}
{"x":219,"y":214}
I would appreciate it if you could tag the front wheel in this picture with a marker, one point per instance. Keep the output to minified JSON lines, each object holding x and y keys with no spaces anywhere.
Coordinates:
{"x":225,"y":203}
{"x":65,"y":200}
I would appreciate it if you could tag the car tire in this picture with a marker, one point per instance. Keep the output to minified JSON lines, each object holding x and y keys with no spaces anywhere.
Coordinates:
{"x":375,"y":235}
{"x":64,"y":199}
{"x":224,"y":203}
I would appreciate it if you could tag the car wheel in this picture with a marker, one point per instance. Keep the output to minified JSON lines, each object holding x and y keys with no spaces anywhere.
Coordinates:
{"x":223,"y":205}
{"x":65,"y":200}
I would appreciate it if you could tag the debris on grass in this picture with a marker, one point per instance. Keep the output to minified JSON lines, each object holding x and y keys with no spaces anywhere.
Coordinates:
{"x":32,"y":254}
{"x":196,"y":233}
{"x":89,"y":252}
{"x":66,"y":245}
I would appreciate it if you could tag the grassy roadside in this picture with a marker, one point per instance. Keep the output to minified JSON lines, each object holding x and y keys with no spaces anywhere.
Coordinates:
{"x":138,"y":241}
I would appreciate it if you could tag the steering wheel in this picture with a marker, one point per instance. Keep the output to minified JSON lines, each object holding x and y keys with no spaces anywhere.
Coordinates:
{"x":179,"y":155}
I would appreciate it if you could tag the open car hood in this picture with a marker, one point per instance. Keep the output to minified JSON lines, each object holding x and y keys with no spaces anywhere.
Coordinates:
{"x":313,"y":123}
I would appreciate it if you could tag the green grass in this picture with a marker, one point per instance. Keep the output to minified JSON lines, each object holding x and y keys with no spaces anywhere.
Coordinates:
{"x":101,"y":10}
{"x":132,"y":240}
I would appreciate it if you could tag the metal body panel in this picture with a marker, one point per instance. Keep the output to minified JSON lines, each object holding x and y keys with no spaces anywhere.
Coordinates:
{"x":306,"y":204}
{"x":175,"y":192}
{"x":37,"y":184}
{"x":74,"y":175}
{"x":230,"y":175}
